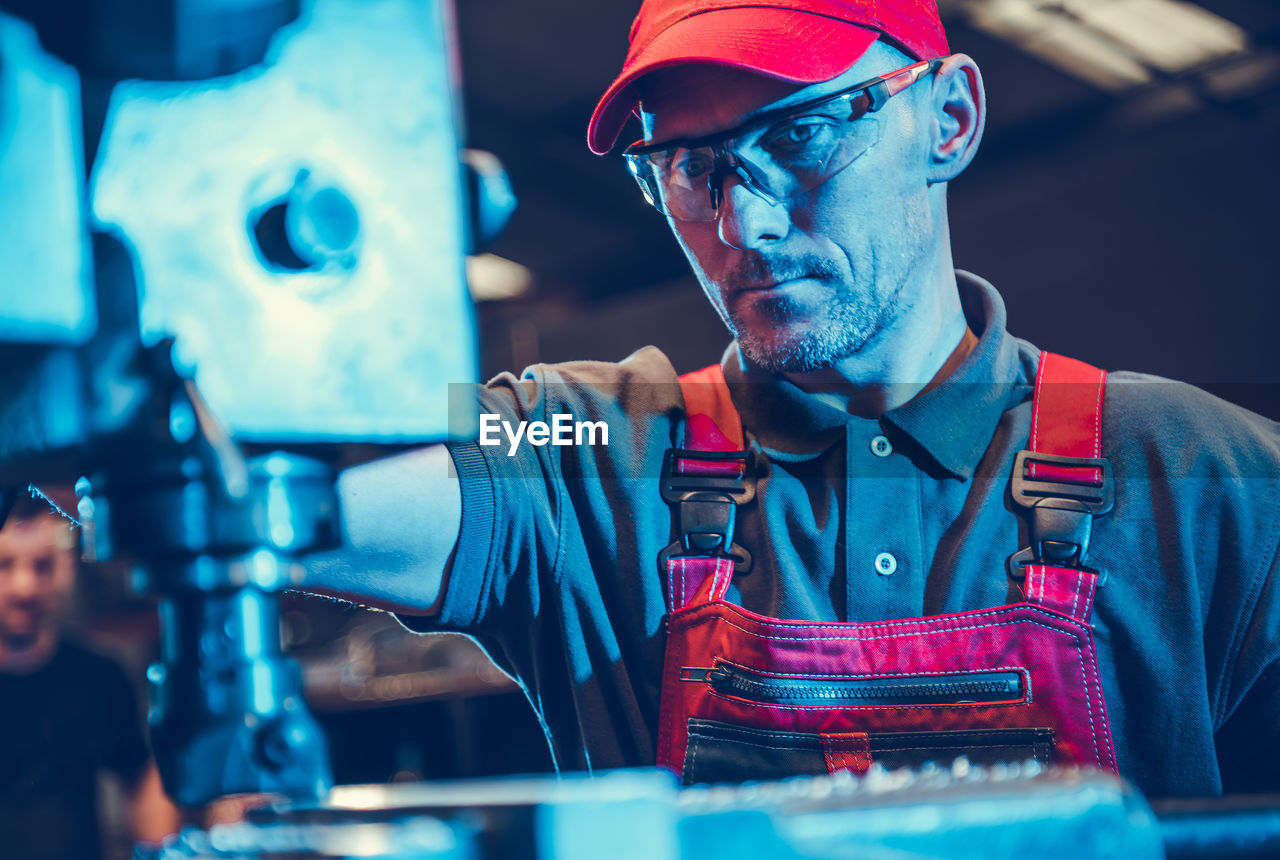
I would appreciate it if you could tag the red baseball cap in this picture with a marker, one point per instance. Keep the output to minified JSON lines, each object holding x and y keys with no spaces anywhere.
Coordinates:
{"x":803,"y":41}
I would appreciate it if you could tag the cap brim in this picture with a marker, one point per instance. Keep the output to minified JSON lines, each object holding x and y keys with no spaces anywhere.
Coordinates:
{"x":746,"y":38}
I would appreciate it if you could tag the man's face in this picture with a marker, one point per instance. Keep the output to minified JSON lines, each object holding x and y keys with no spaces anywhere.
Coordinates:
{"x":36,"y":576}
{"x":812,"y":280}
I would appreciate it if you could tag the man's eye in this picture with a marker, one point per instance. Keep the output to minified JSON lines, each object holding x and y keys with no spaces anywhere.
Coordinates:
{"x":694,"y":164}
{"x":797,"y":134}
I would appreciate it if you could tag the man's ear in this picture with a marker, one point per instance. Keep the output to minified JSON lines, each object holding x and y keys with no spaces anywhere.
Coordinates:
{"x":959,"y":114}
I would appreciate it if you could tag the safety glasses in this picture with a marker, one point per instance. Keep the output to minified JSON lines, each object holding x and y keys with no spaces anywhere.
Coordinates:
{"x":778,"y":154}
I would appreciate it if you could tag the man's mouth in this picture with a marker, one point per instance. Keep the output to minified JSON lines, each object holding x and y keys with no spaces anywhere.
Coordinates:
{"x":756,"y":275}
{"x":20,"y":614}
{"x":768,"y":285}
{"x":771,"y":285}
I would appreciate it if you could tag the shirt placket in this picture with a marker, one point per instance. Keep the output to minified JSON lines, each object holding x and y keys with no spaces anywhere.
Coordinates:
{"x":884,"y":557}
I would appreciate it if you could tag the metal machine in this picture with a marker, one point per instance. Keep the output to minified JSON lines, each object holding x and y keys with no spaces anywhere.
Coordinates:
{"x":257,"y":268}
{"x":959,"y":813}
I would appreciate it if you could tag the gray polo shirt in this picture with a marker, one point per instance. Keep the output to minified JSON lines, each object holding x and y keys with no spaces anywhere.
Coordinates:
{"x":556,"y":572}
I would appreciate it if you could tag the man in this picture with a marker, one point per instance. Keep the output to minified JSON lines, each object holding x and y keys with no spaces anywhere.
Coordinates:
{"x":65,"y":712}
{"x":801,"y":152}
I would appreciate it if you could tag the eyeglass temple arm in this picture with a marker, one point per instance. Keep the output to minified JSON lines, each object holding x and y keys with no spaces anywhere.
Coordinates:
{"x":886,"y":88}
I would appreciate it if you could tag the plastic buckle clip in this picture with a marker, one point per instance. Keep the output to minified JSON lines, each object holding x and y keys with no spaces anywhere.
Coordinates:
{"x":706,"y":507}
{"x":1061,"y":511}
{"x":741,"y":558}
{"x":740,"y":488}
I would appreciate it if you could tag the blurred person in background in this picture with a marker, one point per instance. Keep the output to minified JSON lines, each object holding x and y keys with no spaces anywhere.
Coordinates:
{"x":66,"y":713}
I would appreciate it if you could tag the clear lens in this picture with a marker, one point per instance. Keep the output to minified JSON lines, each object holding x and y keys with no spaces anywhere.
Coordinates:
{"x":786,"y":157}
{"x":776,"y":157}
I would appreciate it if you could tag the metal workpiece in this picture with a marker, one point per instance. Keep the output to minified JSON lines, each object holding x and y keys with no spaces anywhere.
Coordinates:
{"x":620,"y":815}
{"x":959,"y":812}
{"x":299,"y":228}
{"x":286,"y":208}
{"x":406,"y":839}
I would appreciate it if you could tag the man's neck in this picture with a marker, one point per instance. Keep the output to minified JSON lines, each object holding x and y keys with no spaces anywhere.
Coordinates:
{"x":915,"y":352}
{"x":23,"y":657}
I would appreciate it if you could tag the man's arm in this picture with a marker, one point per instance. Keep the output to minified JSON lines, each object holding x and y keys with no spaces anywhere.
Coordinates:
{"x":400,"y":521}
{"x":152,"y":815}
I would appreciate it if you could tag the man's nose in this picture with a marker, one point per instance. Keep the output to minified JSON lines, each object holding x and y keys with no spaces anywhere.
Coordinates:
{"x":746,"y":220}
{"x":22,"y":581}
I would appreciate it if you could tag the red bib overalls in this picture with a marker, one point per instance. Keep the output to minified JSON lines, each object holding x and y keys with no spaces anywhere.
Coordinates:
{"x":750,"y":697}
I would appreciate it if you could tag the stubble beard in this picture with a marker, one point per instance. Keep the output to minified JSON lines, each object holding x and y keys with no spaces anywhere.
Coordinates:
{"x":23,"y":631}
{"x":821,"y":337}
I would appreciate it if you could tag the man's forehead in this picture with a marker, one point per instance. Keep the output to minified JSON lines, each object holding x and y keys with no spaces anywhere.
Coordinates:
{"x":44,"y":532}
{"x":697,"y":99}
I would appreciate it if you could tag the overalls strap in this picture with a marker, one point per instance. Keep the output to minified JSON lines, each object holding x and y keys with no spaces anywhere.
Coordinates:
{"x":712,"y":422}
{"x":705,"y":491}
{"x":1062,"y":481}
{"x":1066,"y":416}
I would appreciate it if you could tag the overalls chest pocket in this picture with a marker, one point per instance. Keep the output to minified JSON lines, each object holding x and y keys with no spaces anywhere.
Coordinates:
{"x":725,"y":752}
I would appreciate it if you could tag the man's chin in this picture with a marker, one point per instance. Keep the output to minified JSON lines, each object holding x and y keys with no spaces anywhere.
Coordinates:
{"x":807,"y":342}
{"x":20,"y":633}
{"x":778,"y":355}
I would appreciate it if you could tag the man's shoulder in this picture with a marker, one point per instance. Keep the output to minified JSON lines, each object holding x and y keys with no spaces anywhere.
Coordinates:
{"x":647,"y":365}
{"x":644,"y":382}
{"x":1204,"y":430}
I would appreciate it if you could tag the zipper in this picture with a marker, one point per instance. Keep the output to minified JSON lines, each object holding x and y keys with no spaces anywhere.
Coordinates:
{"x":969,"y":688}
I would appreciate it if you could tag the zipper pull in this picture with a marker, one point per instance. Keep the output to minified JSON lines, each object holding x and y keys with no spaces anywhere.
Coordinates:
{"x":716,"y":677}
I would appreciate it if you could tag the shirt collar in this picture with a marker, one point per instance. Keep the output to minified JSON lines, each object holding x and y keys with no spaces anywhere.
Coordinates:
{"x":951,"y":424}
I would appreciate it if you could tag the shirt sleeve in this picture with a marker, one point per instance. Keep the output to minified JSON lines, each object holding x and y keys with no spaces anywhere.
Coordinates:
{"x":510,"y":503}
{"x":1249,"y":741}
{"x":1246,"y":700}
{"x":514,"y":502}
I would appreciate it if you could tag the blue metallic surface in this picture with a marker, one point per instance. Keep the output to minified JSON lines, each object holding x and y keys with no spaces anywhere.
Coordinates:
{"x":45,"y":270}
{"x":1016,"y":811}
{"x":299,"y":227}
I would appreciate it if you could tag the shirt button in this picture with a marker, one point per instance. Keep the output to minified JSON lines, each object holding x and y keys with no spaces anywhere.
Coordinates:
{"x":886,"y":564}
{"x":881,"y":446}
